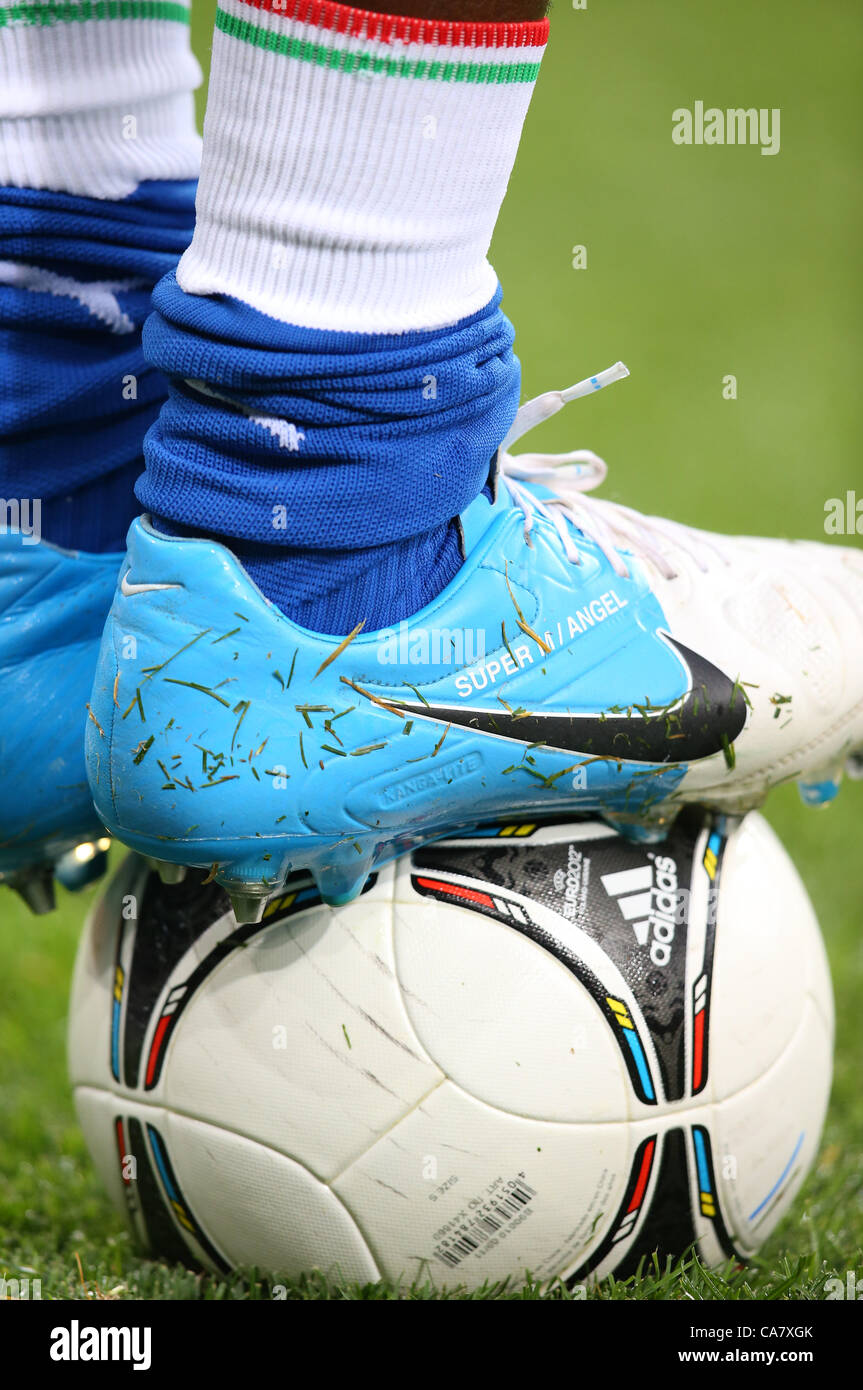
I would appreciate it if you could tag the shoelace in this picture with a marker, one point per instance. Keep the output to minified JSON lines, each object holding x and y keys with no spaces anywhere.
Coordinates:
{"x":612,"y":526}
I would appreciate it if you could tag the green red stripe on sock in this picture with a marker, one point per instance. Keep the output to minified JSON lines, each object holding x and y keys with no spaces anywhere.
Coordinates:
{"x":386,"y":28}
{"x":79,"y":11}
{"x":350,"y":61}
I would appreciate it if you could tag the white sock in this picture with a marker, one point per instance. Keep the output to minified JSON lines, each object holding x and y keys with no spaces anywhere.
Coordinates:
{"x":91,"y":103}
{"x":354,"y":164}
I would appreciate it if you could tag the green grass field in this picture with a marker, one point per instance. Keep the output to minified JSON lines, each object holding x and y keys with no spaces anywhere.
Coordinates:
{"x":702,"y":262}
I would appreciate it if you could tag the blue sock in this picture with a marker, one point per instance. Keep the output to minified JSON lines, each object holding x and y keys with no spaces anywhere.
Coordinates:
{"x":333,"y":464}
{"x":76,"y":276}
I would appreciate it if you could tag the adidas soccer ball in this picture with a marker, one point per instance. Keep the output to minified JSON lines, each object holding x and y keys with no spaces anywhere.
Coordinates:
{"x":540,"y":1049}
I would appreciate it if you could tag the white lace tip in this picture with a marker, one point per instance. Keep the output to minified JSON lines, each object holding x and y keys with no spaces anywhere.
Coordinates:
{"x":533,"y":412}
{"x":596,"y":383}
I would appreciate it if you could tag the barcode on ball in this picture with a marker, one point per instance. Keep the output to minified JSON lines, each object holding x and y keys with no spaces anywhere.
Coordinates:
{"x":474,"y":1235}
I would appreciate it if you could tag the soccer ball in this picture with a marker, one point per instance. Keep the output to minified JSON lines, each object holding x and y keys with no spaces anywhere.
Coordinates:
{"x":538,"y":1049}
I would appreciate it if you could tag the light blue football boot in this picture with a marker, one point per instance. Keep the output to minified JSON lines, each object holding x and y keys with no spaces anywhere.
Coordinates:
{"x":53,"y":605}
{"x":585,"y":659}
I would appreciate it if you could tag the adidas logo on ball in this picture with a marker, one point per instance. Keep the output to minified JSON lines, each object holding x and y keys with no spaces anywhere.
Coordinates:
{"x":649,"y":899}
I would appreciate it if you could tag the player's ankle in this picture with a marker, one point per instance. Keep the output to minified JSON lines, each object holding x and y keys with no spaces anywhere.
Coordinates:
{"x":342,"y":372}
